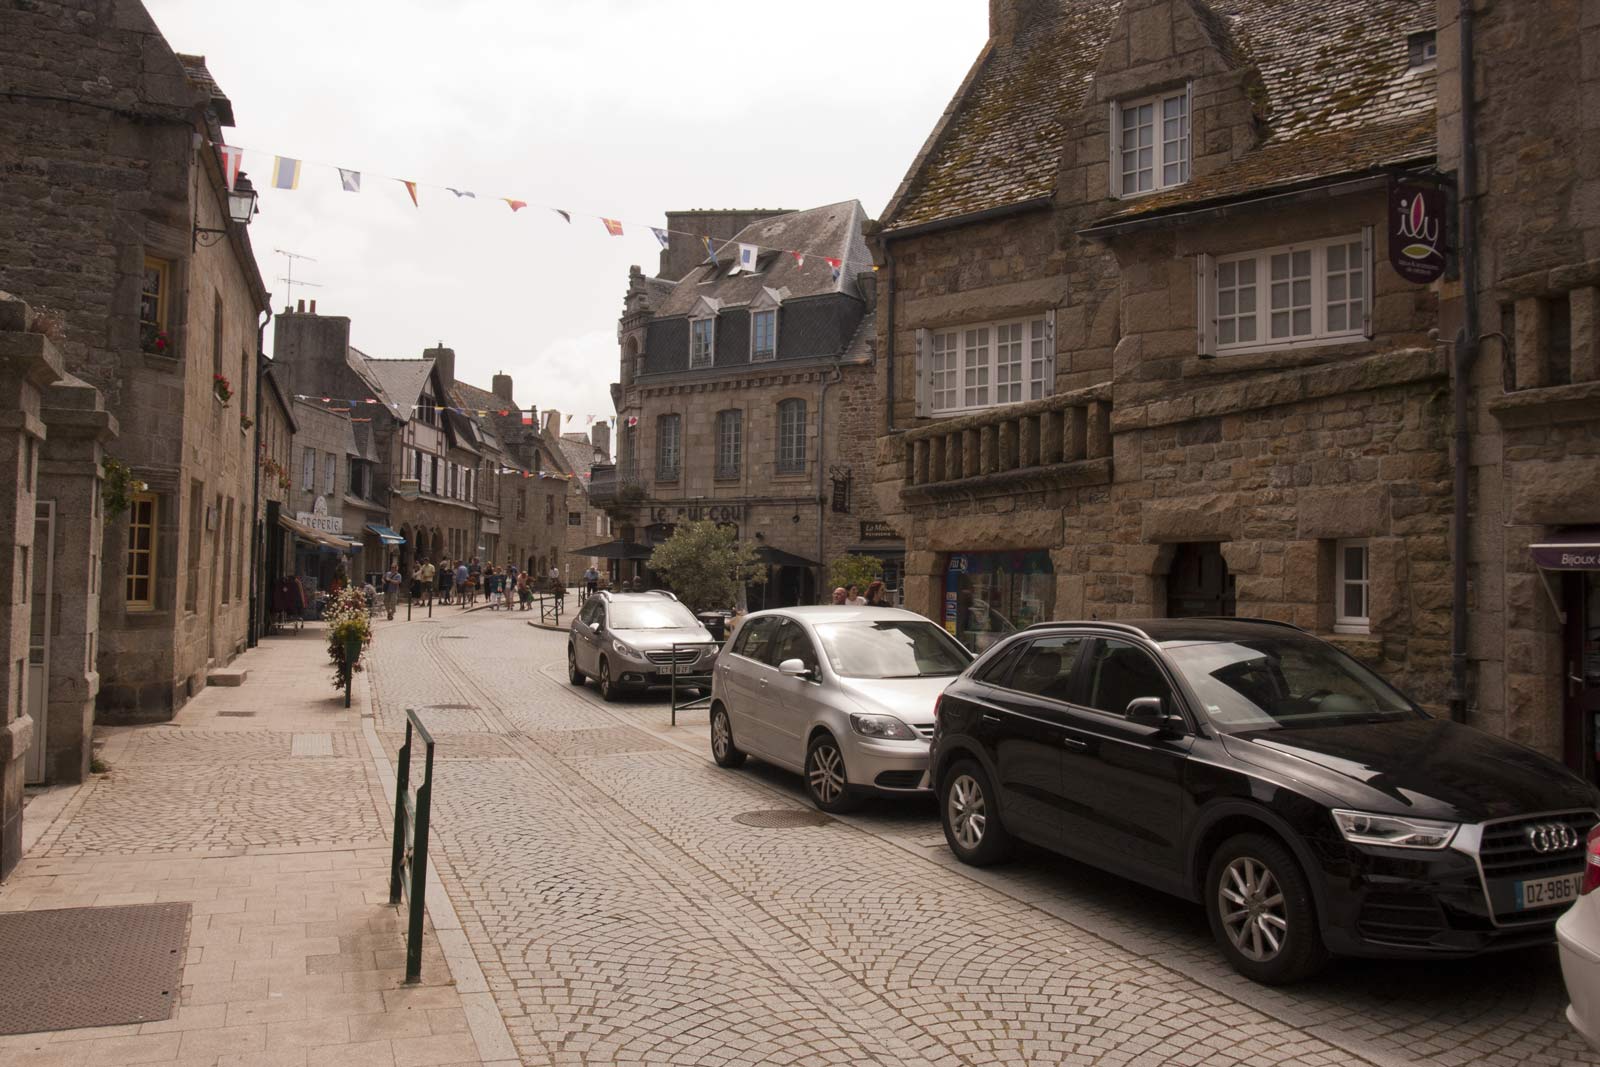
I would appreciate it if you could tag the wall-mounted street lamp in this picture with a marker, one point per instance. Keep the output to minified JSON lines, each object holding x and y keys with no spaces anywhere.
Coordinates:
{"x":241,"y":207}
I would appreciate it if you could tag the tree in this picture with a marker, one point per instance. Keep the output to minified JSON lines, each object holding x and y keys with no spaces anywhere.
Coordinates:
{"x":859,"y":571}
{"x":705,"y":564}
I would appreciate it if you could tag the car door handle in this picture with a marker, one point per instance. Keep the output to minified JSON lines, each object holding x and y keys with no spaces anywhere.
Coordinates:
{"x":990,"y":716}
{"x":763,"y":683}
{"x":1077,"y":744}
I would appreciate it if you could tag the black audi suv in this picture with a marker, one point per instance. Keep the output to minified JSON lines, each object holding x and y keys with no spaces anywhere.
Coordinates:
{"x":1311,"y":807}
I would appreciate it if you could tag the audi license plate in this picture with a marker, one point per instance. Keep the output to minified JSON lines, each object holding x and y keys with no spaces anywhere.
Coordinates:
{"x":1548,"y":892}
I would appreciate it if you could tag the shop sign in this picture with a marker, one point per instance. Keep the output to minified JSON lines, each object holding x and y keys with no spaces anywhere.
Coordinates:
{"x":878,"y":530}
{"x":319,"y":519}
{"x":718,"y":513}
{"x":1416,"y":230}
{"x":1558,"y":557}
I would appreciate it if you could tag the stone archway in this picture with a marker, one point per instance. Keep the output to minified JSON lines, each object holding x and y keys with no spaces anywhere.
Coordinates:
{"x":436,"y":550}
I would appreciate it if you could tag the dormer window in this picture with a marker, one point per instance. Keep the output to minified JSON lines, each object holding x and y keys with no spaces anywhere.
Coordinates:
{"x":1150,"y":139}
{"x":702,"y":342}
{"x":763,"y":335}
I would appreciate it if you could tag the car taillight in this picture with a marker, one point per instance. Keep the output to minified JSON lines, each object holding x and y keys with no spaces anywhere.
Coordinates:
{"x":1591,"y":863}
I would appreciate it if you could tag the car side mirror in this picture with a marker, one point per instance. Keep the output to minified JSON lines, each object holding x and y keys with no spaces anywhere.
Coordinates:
{"x":1152,"y":712}
{"x":795,"y":668}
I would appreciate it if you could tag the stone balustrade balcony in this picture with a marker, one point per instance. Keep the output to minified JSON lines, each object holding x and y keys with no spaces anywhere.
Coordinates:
{"x":1060,"y":441}
{"x":615,"y":483}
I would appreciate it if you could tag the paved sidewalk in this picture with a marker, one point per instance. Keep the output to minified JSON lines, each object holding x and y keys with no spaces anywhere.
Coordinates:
{"x":267,"y":807}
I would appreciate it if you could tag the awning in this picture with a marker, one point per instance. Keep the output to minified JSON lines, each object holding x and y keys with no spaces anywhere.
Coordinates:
{"x":320,"y":538}
{"x":614,"y":550}
{"x":386,"y":535}
{"x":1574,"y":550}
{"x":777,"y":557}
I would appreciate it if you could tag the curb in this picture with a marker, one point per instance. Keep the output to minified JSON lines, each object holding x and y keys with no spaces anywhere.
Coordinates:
{"x":547,"y":626}
{"x":484,"y":1021}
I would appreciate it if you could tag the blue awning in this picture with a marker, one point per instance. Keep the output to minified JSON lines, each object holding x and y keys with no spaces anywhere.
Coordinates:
{"x":386,"y":535}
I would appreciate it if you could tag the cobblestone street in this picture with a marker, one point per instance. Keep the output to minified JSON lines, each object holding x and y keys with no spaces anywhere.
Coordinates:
{"x":621,"y":914}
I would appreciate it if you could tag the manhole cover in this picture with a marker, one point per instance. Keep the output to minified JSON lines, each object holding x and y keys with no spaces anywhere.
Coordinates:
{"x":76,"y":967}
{"x":783,"y":818}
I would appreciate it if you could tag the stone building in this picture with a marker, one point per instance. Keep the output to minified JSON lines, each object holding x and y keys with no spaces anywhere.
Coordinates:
{"x":587,"y":522}
{"x":1165,"y":362}
{"x":272,"y":545}
{"x":325,"y":531}
{"x":453,"y":468}
{"x":117,"y":216}
{"x":1532,"y":613}
{"x":745,"y":395}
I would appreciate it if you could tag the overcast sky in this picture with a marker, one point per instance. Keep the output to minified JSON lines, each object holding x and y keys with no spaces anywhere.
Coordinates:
{"x":622,"y":108}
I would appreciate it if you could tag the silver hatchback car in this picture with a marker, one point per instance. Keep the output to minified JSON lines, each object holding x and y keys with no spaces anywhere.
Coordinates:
{"x":844,"y":695}
{"x":638,"y":641}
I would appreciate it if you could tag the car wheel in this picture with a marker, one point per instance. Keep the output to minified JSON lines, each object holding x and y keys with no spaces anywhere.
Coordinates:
{"x":972,"y":826}
{"x":608,"y":688}
{"x":825,"y":777}
{"x":574,"y":675}
{"x":723,"y":750}
{"x":1261,"y":911}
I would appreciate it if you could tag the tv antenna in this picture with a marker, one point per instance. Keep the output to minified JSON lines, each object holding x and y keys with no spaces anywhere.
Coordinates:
{"x":288,"y":278}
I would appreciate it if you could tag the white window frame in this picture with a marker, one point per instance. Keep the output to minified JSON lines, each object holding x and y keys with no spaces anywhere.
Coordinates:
{"x":1209,"y":289}
{"x":950,"y":383}
{"x":755,"y":355}
{"x":698,"y":359}
{"x":728,"y":444}
{"x":1352,"y":624}
{"x":791,"y":457}
{"x":672,"y":473}
{"x":1179,"y":155}
{"x":330,"y":474}
{"x":308,"y":470}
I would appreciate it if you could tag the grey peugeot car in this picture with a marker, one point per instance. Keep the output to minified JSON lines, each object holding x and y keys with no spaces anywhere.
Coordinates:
{"x":843,"y":695}
{"x":638,"y":641}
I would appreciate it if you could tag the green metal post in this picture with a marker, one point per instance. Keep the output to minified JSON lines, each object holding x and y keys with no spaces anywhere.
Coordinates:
{"x":419,"y":874}
{"x":402,"y":782}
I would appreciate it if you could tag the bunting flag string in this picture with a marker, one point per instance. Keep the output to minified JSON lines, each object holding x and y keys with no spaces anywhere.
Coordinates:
{"x":287,"y":170}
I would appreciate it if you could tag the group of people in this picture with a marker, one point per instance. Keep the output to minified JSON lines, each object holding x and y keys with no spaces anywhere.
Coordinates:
{"x":876,"y":596}
{"x":463,"y":581}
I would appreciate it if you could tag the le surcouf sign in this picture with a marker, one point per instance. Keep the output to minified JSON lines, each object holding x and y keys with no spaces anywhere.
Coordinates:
{"x":699,"y":512}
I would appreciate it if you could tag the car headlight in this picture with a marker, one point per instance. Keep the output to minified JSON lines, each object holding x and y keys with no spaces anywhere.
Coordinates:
{"x":884,"y":726}
{"x":625,"y":650}
{"x":1365,"y":828}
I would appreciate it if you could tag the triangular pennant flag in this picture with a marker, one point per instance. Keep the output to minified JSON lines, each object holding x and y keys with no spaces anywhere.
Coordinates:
{"x":661,"y":235}
{"x":799,"y":258}
{"x":411,"y":187}
{"x":564,"y":214}
{"x":613,"y":227}
{"x":463,"y":192}
{"x":516,"y":205}
{"x":834,"y":266}
{"x":232,"y":156}
{"x":285,"y":173}
{"x":567,"y":418}
{"x":350,"y":179}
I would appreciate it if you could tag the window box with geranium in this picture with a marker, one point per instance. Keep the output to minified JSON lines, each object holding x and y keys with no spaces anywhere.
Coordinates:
{"x":154,"y":340}
{"x":222,"y":388}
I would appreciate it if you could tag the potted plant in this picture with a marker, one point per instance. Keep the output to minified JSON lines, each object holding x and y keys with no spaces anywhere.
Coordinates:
{"x":245,"y":422}
{"x":118,"y":488}
{"x":154,"y":339}
{"x":222,"y":388}
{"x":348,"y":630}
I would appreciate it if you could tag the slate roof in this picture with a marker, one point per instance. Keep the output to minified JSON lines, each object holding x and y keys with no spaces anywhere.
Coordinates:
{"x":1336,"y":96}
{"x":397,"y":382}
{"x":1001,"y":137}
{"x":578,"y":451}
{"x":504,"y":427}
{"x":864,"y":341}
{"x":833,"y":230}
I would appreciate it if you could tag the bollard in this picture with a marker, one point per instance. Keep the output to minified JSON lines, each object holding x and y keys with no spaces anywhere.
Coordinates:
{"x":352,"y":653}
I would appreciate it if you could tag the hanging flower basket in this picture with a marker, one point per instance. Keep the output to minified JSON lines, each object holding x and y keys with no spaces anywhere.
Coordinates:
{"x":245,"y":422}
{"x":222,"y":387}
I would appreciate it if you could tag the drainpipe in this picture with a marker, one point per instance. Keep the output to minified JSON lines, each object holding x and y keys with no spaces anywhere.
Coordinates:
{"x":888,"y":315}
{"x":1464,"y":356}
{"x":253,"y":635}
{"x":822,"y":453}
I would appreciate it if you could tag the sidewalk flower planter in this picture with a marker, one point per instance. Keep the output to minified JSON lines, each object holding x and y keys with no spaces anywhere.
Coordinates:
{"x":348,"y":629}
{"x":222,"y":388}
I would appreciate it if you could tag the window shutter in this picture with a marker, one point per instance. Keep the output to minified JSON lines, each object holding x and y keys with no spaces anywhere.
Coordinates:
{"x":1050,"y":352}
{"x":1205,"y":298}
{"x":920,"y":374}
{"x":1367,"y":286}
{"x":1113,"y":156}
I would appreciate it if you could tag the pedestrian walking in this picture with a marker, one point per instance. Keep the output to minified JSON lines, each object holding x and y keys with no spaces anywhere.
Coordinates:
{"x":839,"y":595}
{"x":463,"y":578}
{"x":426,"y":574}
{"x":591,"y":581}
{"x":854,"y":598}
{"x":876,"y":596}
{"x":391,"y":589}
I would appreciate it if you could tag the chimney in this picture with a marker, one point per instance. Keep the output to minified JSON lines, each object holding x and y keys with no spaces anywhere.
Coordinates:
{"x":302,"y":308}
{"x":600,"y":437}
{"x":313,"y":307}
{"x":1007,"y":17}
{"x":552,"y":424}
{"x":502,"y":388}
{"x":311,"y":353}
{"x":444,"y":359}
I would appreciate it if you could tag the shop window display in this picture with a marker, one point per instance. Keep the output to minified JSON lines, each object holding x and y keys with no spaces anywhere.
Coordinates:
{"x":990,"y":594}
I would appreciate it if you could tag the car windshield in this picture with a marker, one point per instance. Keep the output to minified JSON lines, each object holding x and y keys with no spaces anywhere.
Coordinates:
{"x":651,"y":615}
{"x":1288,"y":682}
{"x":891,"y":648}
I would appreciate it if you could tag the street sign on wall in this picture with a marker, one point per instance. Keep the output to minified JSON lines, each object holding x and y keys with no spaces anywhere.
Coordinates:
{"x":1416,"y":230}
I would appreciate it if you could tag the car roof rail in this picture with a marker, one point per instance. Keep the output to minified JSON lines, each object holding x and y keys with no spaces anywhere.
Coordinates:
{"x":1106,"y":623}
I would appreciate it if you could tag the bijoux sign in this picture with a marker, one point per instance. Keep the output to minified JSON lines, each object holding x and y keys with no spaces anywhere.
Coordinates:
{"x":1416,"y":230}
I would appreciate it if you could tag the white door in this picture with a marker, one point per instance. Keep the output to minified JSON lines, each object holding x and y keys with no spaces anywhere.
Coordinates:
{"x":42,"y":593}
